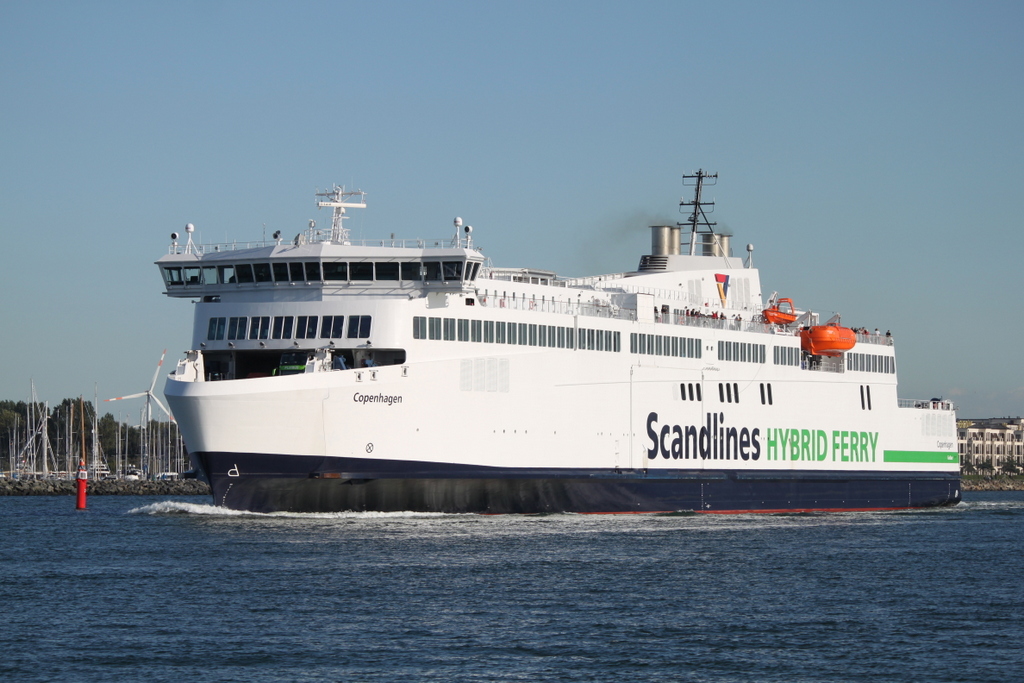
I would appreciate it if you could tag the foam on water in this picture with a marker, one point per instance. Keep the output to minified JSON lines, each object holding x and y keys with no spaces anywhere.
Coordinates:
{"x":170,"y":507}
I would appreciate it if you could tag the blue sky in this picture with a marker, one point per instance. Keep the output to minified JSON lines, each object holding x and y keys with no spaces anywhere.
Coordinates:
{"x":873,"y":153}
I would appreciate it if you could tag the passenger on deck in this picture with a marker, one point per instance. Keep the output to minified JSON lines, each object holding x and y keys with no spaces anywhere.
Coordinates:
{"x":339,"y":363}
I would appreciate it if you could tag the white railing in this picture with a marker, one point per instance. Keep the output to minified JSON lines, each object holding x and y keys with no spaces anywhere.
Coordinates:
{"x":200,"y":249}
{"x":929,"y":404}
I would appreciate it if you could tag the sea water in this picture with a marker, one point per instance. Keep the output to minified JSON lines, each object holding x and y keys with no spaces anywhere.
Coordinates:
{"x":160,"y":589}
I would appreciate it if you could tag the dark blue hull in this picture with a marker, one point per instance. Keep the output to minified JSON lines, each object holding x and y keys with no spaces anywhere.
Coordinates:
{"x":269,"y":483}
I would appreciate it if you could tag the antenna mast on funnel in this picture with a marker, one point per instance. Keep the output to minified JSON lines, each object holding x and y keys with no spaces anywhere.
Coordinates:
{"x":698,"y":217}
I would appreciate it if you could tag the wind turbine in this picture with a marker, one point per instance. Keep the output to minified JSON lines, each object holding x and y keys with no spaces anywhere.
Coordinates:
{"x":148,"y":409}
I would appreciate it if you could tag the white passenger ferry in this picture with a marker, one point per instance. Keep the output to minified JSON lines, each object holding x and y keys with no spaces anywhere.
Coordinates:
{"x":330,"y":374}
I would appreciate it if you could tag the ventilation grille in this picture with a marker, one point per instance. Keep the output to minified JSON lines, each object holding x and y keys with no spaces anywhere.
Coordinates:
{"x":653,"y":263}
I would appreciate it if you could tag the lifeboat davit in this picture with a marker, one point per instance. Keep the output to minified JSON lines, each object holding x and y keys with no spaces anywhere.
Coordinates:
{"x":827,"y":340}
{"x":780,"y":313}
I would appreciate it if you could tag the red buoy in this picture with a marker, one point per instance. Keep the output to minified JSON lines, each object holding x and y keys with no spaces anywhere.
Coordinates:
{"x":82,"y":482}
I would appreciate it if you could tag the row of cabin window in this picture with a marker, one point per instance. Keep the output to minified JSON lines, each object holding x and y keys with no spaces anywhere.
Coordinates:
{"x":786,"y":355}
{"x":663,"y":345}
{"x":744,"y":352}
{"x":315,"y":271}
{"x":729,"y":394}
{"x":289,"y":327}
{"x":867,"y":362}
{"x":524,"y":334}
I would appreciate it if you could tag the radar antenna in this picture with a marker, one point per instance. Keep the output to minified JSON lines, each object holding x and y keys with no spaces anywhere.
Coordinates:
{"x":698,"y":218}
{"x":337,"y":199}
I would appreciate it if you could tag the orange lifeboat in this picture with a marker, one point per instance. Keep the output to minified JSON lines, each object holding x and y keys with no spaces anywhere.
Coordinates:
{"x":827,"y":340}
{"x":780,"y":313}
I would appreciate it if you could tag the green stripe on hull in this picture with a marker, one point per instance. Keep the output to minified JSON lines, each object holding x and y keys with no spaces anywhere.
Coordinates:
{"x":922,"y":456}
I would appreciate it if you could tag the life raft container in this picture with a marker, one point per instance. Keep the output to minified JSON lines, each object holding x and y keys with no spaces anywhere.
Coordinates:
{"x":780,"y":313}
{"x":827,"y":340}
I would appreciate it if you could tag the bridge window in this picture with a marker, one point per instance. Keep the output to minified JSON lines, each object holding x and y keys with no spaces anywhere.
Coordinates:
{"x":243,"y":273}
{"x":433,"y":270}
{"x":335,"y":270}
{"x":192,"y":275}
{"x":452,"y":270}
{"x":361,"y":271}
{"x":296,"y":271}
{"x":313,"y":271}
{"x":262,"y":272}
{"x":173,"y":276}
{"x":411,"y":270}
{"x":386,"y":271}
{"x":280,"y":271}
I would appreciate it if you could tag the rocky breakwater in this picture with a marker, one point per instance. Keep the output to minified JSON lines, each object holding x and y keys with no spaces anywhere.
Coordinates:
{"x":104,"y":487}
{"x":996,"y":482}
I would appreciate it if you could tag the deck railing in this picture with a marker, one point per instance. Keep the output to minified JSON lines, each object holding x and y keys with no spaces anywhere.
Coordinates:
{"x":923,"y":404}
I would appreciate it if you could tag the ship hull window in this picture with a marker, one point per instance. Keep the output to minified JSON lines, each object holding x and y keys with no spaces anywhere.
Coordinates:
{"x":236,"y":328}
{"x":333,"y":327}
{"x":259,"y":327}
{"x":306,"y":327}
{"x":282,"y":327}
{"x":216,"y":329}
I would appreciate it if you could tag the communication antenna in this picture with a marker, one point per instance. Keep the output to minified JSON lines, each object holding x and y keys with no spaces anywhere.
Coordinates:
{"x":698,"y":217}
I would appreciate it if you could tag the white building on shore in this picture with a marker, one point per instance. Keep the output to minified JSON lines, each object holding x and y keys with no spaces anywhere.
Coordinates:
{"x":991,"y":443}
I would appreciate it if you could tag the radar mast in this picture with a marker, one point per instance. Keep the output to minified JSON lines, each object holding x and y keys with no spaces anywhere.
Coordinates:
{"x":337,"y":199}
